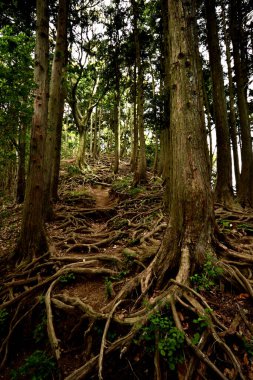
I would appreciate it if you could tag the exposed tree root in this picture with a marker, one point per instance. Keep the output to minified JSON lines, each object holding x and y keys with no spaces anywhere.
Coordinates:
{"x":135,"y":229}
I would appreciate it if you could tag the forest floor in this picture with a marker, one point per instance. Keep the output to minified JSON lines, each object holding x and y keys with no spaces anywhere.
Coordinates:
{"x":63,"y":305}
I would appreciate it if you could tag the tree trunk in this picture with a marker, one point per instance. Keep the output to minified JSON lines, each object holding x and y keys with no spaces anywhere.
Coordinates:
{"x":116,"y":121}
{"x":245,"y":188}
{"x":191,"y":217}
{"x":32,"y":241}
{"x":21,"y":164}
{"x":223,"y":189}
{"x":135,"y":134}
{"x":140,"y":171}
{"x":54,"y":105}
{"x":232,"y":116}
{"x":81,"y":148}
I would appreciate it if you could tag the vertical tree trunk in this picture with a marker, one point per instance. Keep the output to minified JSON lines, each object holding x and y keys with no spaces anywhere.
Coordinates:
{"x":191,"y":218}
{"x":140,"y":171}
{"x":32,"y":241}
{"x":54,"y":105}
{"x":245,"y":188}
{"x":135,"y":134}
{"x":223,"y":189}
{"x":232,"y":116}
{"x":116,"y":121}
{"x":21,"y":164}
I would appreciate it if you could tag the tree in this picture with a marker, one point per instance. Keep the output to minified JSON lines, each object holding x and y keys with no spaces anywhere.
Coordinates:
{"x":245,"y":188}
{"x":140,"y":169}
{"x":223,"y":189}
{"x":191,"y":219}
{"x":55,"y":106}
{"x":32,"y":240}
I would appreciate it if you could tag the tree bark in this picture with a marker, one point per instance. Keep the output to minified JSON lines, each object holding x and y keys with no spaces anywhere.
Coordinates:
{"x":54,"y":105}
{"x":245,"y":188}
{"x":191,"y":218}
{"x":32,"y":241}
{"x":21,"y":164}
{"x":140,"y":174}
{"x":232,"y":115}
{"x":223,"y":188}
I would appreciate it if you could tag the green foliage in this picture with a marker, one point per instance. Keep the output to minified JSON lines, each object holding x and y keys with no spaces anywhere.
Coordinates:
{"x":122,"y":184}
{"x":67,"y":278}
{"x":40,"y":332}
{"x":204,"y":320}
{"x":209,"y":276}
{"x":3,"y":318}
{"x":170,"y":338}
{"x":73,"y":169}
{"x":108,"y":288}
{"x":248,"y":346}
{"x":37,"y":366}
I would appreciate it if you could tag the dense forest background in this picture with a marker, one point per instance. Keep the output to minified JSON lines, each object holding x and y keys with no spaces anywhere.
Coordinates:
{"x":126,"y":189}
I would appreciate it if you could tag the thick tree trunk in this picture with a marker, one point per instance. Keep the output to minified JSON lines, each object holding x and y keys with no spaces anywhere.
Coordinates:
{"x":81,"y":148}
{"x":54,"y":105}
{"x":223,"y":189}
{"x":32,"y":241}
{"x":245,"y":188}
{"x":191,"y":218}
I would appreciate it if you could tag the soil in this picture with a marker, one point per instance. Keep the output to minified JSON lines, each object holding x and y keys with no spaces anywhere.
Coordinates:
{"x":115,"y":230}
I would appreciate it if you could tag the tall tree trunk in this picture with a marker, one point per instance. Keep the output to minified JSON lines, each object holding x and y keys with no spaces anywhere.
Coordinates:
{"x":140,"y":174}
{"x":245,"y":188}
{"x":116,"y":121}
{"x":32,"y":241}
{"x":191,"y":218}
{"x":223,"y":189}
{"x":135,"y":134}
{"x":232,"y":115}
{"x":21,"y":164}
{"x":57,"y":151}
{"x":54,"y":105}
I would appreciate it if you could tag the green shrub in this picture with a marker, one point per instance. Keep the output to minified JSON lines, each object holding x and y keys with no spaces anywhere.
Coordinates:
{"x":37,"y":366}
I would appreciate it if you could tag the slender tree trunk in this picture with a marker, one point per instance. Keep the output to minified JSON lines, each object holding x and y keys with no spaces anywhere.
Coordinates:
{"x":232,"y":116}
{"x":21,"y":164}
{"x":116,"y":121}
{"x":223,"y":189}
{"x":32,"y":241}
{"x":57,"y":151}
{"x":245,"y":188}
{"x":135,"y":135}
{"x":140,"y":170}
{"x":191,"y":218}
{"x":54,"y":105}
{"x":81,"y":148}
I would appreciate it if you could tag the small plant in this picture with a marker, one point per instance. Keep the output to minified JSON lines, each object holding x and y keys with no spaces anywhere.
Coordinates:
{"x":209,"y":276}
{"x":170,"y":338}
{"x":39,"y":332}
{"x":108,"y":287}
{"x":67,"y":278}
{"x":3,"y":316}
{"x":248,"y":346}
{"x":72,"y":169}
{"x":37,"y":366}
{"x":202,"y":322}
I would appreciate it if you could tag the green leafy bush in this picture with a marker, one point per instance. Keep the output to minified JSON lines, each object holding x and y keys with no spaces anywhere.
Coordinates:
{"x":209,"y":276}
{"x":170,"y":338}
{"x":37,"y":366}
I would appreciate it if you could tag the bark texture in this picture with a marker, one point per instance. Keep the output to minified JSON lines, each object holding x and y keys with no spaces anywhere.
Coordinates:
{"x":223,"y":189}
{"x":189,"y":231}
{"x":55,"y":106}
{"x":33,"y":240}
